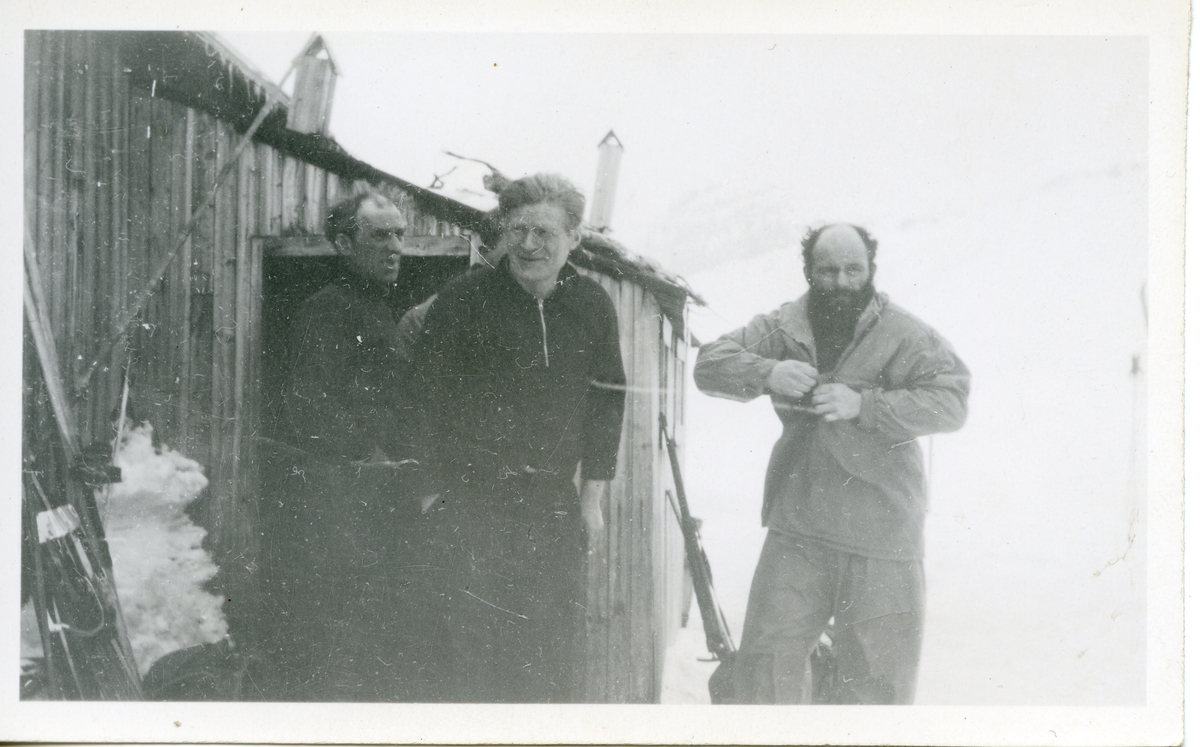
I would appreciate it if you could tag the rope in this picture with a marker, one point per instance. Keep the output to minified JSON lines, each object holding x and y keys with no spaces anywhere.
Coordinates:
{"x":143,"y":296}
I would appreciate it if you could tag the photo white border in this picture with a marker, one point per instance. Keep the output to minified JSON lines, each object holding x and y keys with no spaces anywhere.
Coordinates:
{"x":1163,"y":22}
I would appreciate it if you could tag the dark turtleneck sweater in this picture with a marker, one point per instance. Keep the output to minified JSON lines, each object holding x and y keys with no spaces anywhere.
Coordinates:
{"x":346,"y":392}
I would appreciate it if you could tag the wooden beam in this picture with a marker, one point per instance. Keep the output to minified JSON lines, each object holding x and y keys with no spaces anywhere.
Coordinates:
{"x":413,"y":246}
{"x":184,"y":328}
{"x":86,"y":290}
{"x":436,"y":246}
{"x":314,"y":199}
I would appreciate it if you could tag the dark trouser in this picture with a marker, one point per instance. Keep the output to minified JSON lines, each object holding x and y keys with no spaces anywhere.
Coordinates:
{"x":877,"y":608}
{"x":349,"y":590}
{"x":516,"y":598}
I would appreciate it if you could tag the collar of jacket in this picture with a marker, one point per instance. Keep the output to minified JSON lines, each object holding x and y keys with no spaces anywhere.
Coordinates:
{"x":362,"y":286}
{"x":565,"y":276}
{"x":793,"y":319}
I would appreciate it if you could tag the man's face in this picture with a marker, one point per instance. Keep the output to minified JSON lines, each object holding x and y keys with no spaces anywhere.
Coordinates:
{"x":374,"y":252}
{"x":538,"y":241}
{"x":840,"y":268}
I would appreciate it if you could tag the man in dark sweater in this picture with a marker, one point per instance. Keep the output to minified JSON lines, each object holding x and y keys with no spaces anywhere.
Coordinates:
{"x":855,"y":380}
{"x":345,"y":550}
{"x":347,"y":395}
{"x":522,"y":385}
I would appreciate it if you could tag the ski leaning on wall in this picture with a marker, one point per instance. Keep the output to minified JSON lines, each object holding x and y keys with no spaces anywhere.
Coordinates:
{"x":85,"y":649}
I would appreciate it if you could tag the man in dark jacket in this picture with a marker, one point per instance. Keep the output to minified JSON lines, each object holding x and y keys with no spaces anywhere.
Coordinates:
{"x":347,"y":393}
{"x":344,"y":546}
{"x":523,"y":385}
{"x":855,"y":380}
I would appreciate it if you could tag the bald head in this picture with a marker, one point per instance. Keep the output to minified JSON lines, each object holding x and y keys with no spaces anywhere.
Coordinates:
{"x":841,"y":238}
{"x":839,"y":244}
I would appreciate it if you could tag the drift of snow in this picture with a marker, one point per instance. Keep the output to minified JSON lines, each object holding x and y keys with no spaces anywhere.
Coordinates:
{"x":158,"y":564}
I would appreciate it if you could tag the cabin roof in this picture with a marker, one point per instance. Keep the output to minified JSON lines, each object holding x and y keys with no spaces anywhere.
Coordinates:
{"x":200,"y":70}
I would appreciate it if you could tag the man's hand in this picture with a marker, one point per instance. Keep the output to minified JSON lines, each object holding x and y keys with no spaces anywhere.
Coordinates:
{"x":593,"y":517}
{"x":836,"y":402}
{"x":792,"y":378}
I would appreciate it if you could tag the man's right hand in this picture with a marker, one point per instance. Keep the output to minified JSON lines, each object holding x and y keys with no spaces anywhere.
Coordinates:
{"x":792,"y":378}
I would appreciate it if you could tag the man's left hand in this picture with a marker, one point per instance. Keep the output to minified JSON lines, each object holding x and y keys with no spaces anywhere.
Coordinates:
{"x":836,"y":402}
{"x":593,"y":516}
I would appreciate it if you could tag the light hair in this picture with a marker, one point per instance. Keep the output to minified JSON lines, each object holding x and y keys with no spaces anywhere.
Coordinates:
{"x":548,"y":188}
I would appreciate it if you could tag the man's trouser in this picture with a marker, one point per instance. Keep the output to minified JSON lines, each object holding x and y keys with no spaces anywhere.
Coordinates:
{"x":349,"y":589}
{"x":877,"y":607}
{"x":515,"y":602}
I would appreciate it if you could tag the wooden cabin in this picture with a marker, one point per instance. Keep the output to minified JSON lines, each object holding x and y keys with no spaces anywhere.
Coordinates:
{"x":126,"y":134}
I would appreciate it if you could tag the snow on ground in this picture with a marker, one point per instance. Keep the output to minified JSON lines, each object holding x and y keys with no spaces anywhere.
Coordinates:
{"x":158,"y":564}
{"x":688,"y":667}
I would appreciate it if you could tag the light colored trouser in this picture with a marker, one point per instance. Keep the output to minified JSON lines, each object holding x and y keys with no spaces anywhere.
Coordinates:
{"x":878,"y":610}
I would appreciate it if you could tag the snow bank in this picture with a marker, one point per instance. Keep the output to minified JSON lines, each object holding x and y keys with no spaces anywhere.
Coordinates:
{"x":159,"y":566}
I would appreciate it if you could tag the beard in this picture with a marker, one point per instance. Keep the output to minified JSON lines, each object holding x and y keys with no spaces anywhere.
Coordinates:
{"x":838,"y":309}
{"x":834,"y":317}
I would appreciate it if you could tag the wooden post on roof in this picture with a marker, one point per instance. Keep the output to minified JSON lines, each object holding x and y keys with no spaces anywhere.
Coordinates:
{"x":604,"y":197}
{"x":312,"y":97}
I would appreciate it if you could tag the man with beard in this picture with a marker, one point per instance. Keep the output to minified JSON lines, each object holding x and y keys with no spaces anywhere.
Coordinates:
{"x":855,"y":380}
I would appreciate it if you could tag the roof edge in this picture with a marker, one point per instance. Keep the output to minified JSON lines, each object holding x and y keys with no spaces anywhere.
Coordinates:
{"x":180,"y":63}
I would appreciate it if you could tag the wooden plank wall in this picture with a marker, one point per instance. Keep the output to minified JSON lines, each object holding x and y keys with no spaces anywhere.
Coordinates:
{"x":75,"y":139}
{"x":634,"y":605}
{"x":674,"y":585}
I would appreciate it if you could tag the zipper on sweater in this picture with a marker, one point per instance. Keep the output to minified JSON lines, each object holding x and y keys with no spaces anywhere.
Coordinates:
{"x":545,"y":346}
